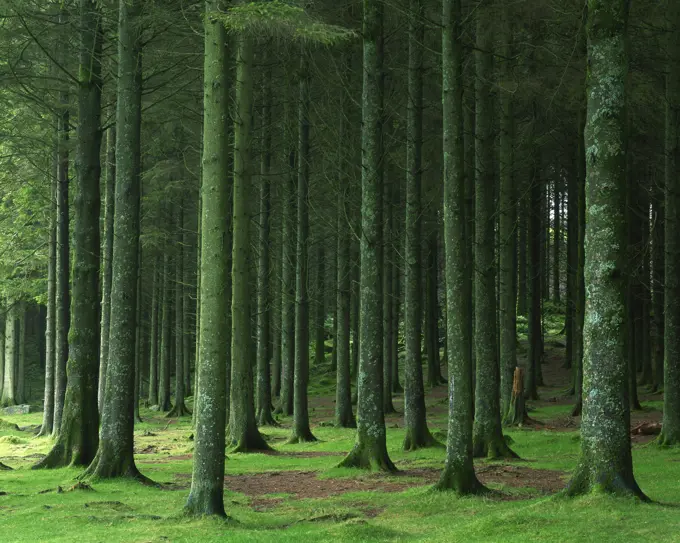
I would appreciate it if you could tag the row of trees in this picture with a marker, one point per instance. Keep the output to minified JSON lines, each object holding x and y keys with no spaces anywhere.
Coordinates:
{"x":355,"y":164}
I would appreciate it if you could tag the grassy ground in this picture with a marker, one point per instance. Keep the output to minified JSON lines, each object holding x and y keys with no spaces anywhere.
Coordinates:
{"x":298,"y":494}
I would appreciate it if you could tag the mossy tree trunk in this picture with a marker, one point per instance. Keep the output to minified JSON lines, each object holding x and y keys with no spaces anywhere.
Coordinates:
{"x":459,"y":472}
{"x":658,"y":271}
{"x":605,"y":463}
{"x":107,"y":258}
{"x":431,"y":284}
{"x":50,"y":336}
{"x":344,"y":418}
{"x":301,"y":432}
{"x":179,"y":409}
{"x":487,"y":433}
{"x":387,"y":301}
{"x":288,"y":255}
{"x":415,"y":415}
{"x":507,"y":222}
{"x":243,"y":433}
{"x":670,"y":434}
{"x":370,"y":448}
{"x":207,"y":480}
{"x":165,"y":316}
{"x":9,"y":377}
{"x":63,"y":295}
{"x":115,"y":456}
{"x":264,"y":390}
{"x":78,"y":433}
{"x":154,"y":341}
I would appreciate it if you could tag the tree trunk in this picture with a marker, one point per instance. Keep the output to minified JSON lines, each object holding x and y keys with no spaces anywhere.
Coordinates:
{"x":107,"y":259}
{"x":658,"y":271}
{"x":207,"y":480}
{"x":415,"y":415}
{"x":115,"y":457}
{"x":264,"y":390}
{"x":21,"y":358}
{"x":605,"y":463}
{"x":9,"y":377}
{"x":78,"y":436}
{"x":388,"y":264}
{"x":179,"y":409}
{"x":154,"y":335}
{"x":165,"y":313}
{"x":459,"y":472}
{"x":320,"y":307}
{"x":370,"y":447}
{"x":434,"y":376}
{"x":63,"y":296}
{"x":488,"y":435}
{"x":517,"y":411}
{"x":50,"y":328}
{"x":507,"y":226}
{"x":243,"y":433}
{"x":535,"y":333}
{"x":301,"y":432}
{"x":572,"y":262}
{"x":557,"y":243}
{"x":670,"y":434}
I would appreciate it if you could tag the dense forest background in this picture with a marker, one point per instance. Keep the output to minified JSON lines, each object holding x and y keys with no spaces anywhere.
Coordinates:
{"x":203,"y":204}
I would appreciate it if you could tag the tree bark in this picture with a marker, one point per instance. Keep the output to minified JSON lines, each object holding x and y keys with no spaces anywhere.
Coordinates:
{"x":487,"y":433}
{"x":115,"y":456}
{"x":243,"y":433}
{"x":9,"y":377}
{"x":670,"y":433}
{"x":107,"y":259}
{"x":459,"y":472}
{"x":207,"y":480}
{"x":605,"y":463}
{"x":154,"y":341}
{"x":370,"y":447}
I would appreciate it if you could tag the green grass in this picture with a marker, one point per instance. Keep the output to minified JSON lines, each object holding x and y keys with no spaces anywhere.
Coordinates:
{"x":127,"y":511}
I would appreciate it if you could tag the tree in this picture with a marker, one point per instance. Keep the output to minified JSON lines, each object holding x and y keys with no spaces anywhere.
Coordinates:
{"x":9,"y":375}
{"x":243,"y":433}
{"x":459,"y":473}
{"x":417,"y":433}
{"x":605,"y":463}
{"x":115,"y":456}
{"x":301,"y":431}
{"x":488,"y":436}
{"x":78,"y":434}
{"x":207,"y":480}
{"x":670,"y":435}
{"x":370,"y":448}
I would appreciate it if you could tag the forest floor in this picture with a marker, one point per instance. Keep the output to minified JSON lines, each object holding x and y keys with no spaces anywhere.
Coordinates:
{"x":297,"y":494}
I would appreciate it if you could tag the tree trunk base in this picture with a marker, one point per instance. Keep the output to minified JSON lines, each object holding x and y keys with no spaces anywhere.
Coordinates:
{"x":461,"y":481}
{"x":251,"y":442}
{"x":492,"y":449}
{"x":517,"y":413}
{"x":206,"y":504}
{"x":373,"y":458}
{"x":180,"y":410}
{"x":578,"y":407}
{"x":305,"y":436}
{"x":584,"y":481}
{"x":266,"y":418}
{"x":345,"y":420}
{"x":668,"y":439}
{"x":422,"y":439}
{"x":123,"y":468}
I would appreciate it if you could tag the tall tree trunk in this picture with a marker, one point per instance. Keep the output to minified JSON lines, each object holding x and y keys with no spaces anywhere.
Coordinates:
{"x":154,"y":334}
{"x":21,"y":356}
{"x":488,"y":435}
{"x":179,"y":409}
{"x":388,"y":264}
{"x":557,"y":242}
{"x":344,"y":418}
{"x":243,"y":433}
{"x":370,"y":447}
{"x":264,"y":390}
{"x":4,"y":313}
{"x":320,"y":308}
{"x":522,"y":271}
{"x":9,"y":376}
{"x":434,"y":376}
{"x":507,"y":225}
{"x":288,"y":278}
{"x":670,"y":434}
{"x":572,"y":261}
{"x":115,"y":457}
{"x":301,"y":432}
{"x":139,"y":336}
{"x":658,"y":271}
{"x":107,"y":259}
{"x":415,"y":415}
{"x":459,"y":472}
{"x":50,"y":328}
{"x":165,"y":350}
{"x":605,"y":463}
{"x":78,"y":436}
{"x":535,"y":334}
{"x":207,"y":478}
{"x":63,"y":296}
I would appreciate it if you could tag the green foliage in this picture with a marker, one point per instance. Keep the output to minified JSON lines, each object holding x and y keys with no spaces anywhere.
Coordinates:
{"x":282,"y":20}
